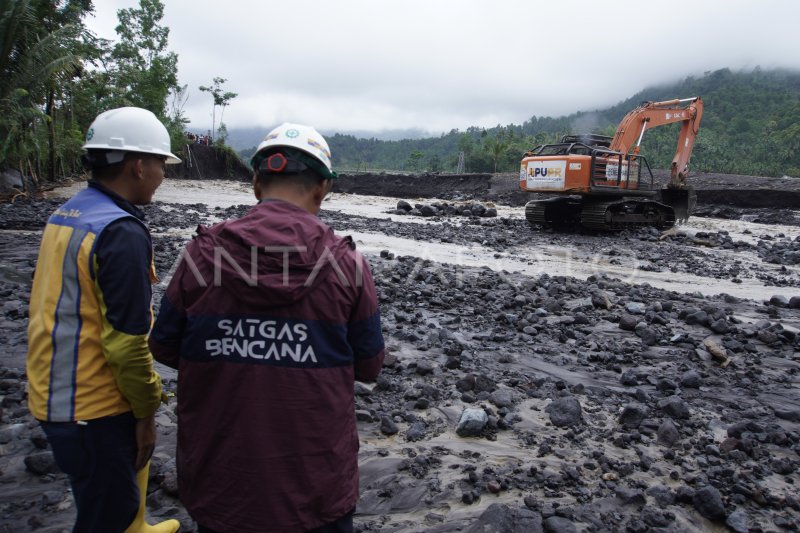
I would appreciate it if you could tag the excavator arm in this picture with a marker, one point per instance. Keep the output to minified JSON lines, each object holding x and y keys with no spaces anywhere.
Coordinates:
{"x":649,"y":115}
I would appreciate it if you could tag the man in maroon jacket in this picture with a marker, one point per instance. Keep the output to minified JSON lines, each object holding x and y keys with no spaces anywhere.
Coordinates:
{"x":269,"y":319}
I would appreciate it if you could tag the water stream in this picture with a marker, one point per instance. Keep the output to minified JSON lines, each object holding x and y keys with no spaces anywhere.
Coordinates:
{"x":530,"y":260}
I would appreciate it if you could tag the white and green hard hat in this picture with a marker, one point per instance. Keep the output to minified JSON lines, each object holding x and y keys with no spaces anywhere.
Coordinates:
{"x":302,"y":141}
{"x":129,"y":129}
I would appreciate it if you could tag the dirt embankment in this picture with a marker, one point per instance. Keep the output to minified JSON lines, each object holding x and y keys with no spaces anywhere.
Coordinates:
{"x":202,"y":162}
{"x":712,"y":189}
{"x":207,"y":162}
{"x":416,"y":185}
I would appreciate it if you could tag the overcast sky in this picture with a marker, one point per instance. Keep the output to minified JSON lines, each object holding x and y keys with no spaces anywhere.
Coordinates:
{"x":434,"y":65}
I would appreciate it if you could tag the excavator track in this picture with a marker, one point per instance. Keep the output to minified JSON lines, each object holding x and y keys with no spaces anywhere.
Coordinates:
{"x":613,"y":215}
{"x":626,"y":214}
{"x":554,"y":212}
{"x":535,"y":213}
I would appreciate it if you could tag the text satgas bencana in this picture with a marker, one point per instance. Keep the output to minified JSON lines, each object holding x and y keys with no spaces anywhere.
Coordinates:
{"x":262,"y":339}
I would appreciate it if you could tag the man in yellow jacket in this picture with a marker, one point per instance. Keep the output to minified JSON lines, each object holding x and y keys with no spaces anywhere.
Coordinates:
{"x":92,"y":384}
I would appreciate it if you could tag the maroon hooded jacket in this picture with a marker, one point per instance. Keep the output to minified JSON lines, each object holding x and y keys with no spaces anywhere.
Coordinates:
{"x":269,"y":318}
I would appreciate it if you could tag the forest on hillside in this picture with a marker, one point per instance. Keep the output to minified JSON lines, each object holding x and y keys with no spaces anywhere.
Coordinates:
{"x":751,"y":126}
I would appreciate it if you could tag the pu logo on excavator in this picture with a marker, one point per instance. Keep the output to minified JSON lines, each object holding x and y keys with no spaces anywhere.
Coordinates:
{"x":545,"y":172}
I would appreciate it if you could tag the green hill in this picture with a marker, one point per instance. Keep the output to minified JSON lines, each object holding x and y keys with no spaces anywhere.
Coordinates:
{"x":751,"y":125}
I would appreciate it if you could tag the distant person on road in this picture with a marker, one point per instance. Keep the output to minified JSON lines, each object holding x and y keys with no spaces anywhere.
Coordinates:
{"x":269,"y":319}
{"x":92,"y":384}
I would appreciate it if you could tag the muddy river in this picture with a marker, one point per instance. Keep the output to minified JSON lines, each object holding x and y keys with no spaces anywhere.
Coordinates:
{"x":529,"y":258}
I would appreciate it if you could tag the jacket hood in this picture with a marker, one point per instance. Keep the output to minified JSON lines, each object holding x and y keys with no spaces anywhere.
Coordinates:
{"x":277,"y":246}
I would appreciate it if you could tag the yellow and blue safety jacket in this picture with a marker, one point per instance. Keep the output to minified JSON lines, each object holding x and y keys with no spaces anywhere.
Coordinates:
{"x":90,"y":312}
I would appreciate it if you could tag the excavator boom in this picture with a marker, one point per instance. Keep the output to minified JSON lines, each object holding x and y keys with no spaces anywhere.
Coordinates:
{"x":649,"y":115}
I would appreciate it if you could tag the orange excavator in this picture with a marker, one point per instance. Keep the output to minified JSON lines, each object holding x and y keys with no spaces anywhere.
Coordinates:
{"x":604,"y":184}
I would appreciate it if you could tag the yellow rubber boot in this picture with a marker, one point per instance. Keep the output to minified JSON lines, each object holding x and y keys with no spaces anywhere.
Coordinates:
{"x":139,"y":525}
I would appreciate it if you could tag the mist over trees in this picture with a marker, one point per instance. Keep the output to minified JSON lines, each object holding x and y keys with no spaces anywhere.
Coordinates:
{"x":751,"y":125}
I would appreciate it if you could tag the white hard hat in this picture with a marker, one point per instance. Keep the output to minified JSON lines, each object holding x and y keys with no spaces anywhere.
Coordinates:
{"x":130,"y":129}
{"x":303,"y":138}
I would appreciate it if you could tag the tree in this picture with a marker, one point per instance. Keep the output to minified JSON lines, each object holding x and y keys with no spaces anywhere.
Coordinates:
{"x":77,"y":43}
{"x":434,"y":163}
{"x":222,"y":132}
{"x":496,"y":147}
{"x":39,"y":52}
{"x":220,"y":99}
{"x":176,"y":120}
{"x":466,"y":144}
{"x":144,"y":72}
{"x":414,"y":159}
{"x":56,"y":76}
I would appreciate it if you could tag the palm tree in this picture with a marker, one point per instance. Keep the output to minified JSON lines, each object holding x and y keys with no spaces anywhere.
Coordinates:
{"x":33,"y":61}
{"x":497,"y":148}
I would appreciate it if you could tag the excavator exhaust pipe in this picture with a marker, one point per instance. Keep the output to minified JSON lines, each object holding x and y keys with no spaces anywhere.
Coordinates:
{"x":682,"y":201}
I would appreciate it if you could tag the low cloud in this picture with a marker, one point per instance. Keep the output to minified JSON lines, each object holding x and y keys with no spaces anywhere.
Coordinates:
{"x":435,"y":66}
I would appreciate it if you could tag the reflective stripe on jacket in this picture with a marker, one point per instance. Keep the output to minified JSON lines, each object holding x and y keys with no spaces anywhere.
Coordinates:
{"x":76,"y":358}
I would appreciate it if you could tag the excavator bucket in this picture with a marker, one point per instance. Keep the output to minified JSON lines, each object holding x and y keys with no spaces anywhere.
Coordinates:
{"x":682,"y":201}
